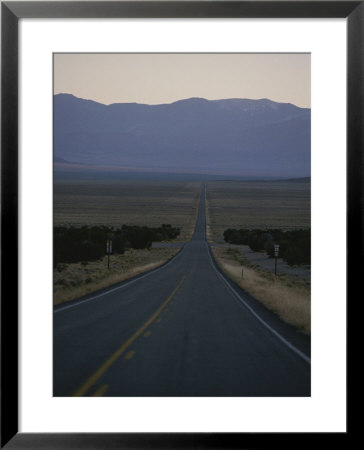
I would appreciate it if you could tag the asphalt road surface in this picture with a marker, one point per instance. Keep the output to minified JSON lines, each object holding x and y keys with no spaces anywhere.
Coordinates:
{"x":180,"y":330}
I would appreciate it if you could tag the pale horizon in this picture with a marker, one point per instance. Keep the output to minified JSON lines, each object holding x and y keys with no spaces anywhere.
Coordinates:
{"x":155,"y":79}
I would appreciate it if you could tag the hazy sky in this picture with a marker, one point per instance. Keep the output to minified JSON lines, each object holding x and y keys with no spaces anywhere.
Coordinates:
{"x":164,"y":78}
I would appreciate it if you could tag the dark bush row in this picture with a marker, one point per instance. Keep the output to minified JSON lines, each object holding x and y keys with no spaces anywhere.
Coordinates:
{"x":294,"y":246}
{"x":75,"y":244}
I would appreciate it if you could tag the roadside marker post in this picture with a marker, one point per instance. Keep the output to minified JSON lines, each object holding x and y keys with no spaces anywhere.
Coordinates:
{"x":276,"y":253}
{"x":108,"y":252}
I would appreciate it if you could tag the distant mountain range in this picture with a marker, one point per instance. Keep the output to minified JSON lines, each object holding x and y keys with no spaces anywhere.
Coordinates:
{"x":232,"y":136}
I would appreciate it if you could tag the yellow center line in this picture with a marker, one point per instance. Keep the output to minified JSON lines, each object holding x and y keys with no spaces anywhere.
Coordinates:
{"x":99,"y":372}
{"x":130,"y":354}
{"x":100,"y":391}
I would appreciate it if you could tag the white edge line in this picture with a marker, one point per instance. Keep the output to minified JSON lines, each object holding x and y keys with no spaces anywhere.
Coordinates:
{"x":63,"y":308}
{"x":251,"y":310}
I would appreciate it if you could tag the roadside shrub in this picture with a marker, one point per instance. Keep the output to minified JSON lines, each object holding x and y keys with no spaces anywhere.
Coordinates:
{"x":83,"y":244}
{"x":294,"y":245}
{"x":139,"y":237}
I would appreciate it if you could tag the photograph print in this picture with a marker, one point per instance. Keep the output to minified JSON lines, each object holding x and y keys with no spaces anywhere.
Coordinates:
{"x":181,"y":225}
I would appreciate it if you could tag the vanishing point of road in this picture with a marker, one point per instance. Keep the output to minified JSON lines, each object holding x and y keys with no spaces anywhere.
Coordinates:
{"x":180,"y":330}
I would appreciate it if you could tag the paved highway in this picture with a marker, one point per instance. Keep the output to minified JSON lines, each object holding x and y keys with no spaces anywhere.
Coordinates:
{"x":180,"y":330}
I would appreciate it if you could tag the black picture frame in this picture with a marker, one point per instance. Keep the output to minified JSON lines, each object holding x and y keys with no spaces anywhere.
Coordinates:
{"x":11,"y":13}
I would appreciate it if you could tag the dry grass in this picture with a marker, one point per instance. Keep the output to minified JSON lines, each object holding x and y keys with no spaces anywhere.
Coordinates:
{"x":247,"y":204}
{"x":118,"y":202}
{"x":71,"y":281}
{"x":290,"y":299}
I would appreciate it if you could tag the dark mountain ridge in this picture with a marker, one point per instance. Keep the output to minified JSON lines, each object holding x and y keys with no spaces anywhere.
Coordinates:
{"x":232,"y":136}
